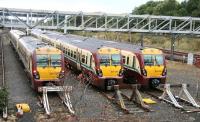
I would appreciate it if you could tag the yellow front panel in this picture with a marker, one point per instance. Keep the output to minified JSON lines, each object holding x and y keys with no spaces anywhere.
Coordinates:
{"x":49,"y":73}
{"x":110,"y":71}
{"x":151,"y":51}
{"x":154,"y":71}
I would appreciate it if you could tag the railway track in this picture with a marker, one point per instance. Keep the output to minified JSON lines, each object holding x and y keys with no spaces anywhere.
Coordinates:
{"x":129,"y":104}
{"x":59,"y":96}
{"x":2,"y":75}
{"x":1,"y":64}
{"x":181,"y":57}
{"x":183,"y":101}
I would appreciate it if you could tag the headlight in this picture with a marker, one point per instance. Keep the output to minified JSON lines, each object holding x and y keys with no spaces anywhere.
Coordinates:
{"x":144,"y":72}
{"x":121,"y":72}
{"x":99,"y":72}
{"x":36,"y":74}
{"x":164,"y":73}
{"x":62,"y":74}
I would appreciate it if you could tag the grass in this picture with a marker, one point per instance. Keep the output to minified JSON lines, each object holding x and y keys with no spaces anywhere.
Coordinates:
{"x":182,"y":42}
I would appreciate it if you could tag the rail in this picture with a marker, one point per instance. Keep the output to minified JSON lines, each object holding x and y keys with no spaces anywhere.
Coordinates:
{"x":129,"y":104}
{"x":180,"y":101}
{"x":5,"y":115}
{"x":182,"y":57}
{"x":63,"y":92}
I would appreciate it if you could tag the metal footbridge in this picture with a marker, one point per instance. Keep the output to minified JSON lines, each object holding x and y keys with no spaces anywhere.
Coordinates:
{"x":64,"y":20}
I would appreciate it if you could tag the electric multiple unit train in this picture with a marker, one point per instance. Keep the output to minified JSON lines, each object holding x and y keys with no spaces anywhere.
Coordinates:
{"x":145,"y":66}
{"x":43,"y":63}
{"x":102,"y":64}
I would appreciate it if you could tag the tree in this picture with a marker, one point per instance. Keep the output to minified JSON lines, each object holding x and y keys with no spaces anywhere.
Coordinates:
{"x":193,"y":7}
{"x":170,"y":8}
{"x":166,"y":7}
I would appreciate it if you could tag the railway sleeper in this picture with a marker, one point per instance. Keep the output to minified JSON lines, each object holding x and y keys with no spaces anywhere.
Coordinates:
{"x":169,"y":97}
{"x":128,"y":104}
{"x":63,"y":92}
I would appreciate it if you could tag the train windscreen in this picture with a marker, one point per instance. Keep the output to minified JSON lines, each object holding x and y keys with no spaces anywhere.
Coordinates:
{"x":42,"y":60}
{"x":55,"y":60}
{"x":153,"y":60}
{"x":105,"y":59}
{"x":115,"y":59}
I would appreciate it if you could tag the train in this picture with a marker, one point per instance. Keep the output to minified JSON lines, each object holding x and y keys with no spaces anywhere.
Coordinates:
{"x":145,"y":66}
{"x":100,"y":64}
{"x":142,"y":65}
{"x":44,"y":64}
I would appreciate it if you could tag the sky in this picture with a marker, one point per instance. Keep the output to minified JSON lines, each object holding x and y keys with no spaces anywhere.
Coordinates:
{"x":107,"y":6}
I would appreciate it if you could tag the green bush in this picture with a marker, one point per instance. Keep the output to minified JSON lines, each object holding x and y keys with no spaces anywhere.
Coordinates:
{"x":3,"y":98}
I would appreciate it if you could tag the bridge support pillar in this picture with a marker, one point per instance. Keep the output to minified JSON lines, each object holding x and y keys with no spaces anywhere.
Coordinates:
{"x":142,"y":39}
{"x":173,"y":46}
{"x":130,"y":39}
{"x":27,"y":22}
{"x":65,"y":25}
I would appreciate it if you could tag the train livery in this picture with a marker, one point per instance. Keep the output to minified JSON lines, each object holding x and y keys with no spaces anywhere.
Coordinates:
{"x":145,"y":66}
{"x":44,"y":64}
{"x":102,"y":64}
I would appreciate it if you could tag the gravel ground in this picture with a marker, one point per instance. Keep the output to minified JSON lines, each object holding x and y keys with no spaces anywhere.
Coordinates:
{"x":18,"y":85}
{"x":91,"y":105}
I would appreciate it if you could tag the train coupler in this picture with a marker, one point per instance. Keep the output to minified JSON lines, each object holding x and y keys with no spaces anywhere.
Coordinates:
{"x":63,"y":92}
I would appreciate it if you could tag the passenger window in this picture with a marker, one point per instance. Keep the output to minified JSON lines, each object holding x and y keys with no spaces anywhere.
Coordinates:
{"x":127,"y":61}
{"x":133,"y":61}
{"x":86,"y":59}
{"x":57,"y":46}
{"x":74,"y":54}
{"x":83,"y":59}
{"x":65,"y":50}
{"x":68,"y":52}
{"x":90,"y":61}
{"x":71,"y":53}
{"x":123,"y":59}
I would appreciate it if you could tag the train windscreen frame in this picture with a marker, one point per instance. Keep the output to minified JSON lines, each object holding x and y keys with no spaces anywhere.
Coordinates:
{"x":115,"y":59}
{"x":104,"y":59}
{"x":42,"y":60}
{"x":55,"y":60}
{"x":153,"y":60}
{"x":110,"y":59}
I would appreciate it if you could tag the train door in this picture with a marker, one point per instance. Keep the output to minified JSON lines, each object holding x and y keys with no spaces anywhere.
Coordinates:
{"x":92,"y":63}
{"x":78,"y":61}
{"x":30,"y":64}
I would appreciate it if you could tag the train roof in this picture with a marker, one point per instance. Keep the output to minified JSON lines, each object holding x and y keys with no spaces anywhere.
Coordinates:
{"x":79,"y":41}
{"x":18,"y":34}
{"x":90,"y":43}
{"x":31,"y":43}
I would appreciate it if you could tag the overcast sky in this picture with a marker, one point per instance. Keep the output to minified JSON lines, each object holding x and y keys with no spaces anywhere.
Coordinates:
{"x":108,"y":6}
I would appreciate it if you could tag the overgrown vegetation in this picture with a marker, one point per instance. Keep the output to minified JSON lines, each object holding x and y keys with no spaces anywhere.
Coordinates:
{"x":170,"y":8}
{"x":3,"y":98}
{"x":182,"y":43}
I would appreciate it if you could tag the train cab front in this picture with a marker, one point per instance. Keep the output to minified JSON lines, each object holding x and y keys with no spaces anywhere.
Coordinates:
{"x":49,"y":67}
{"x":154,"y":70}
{"x":110,"y":70}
